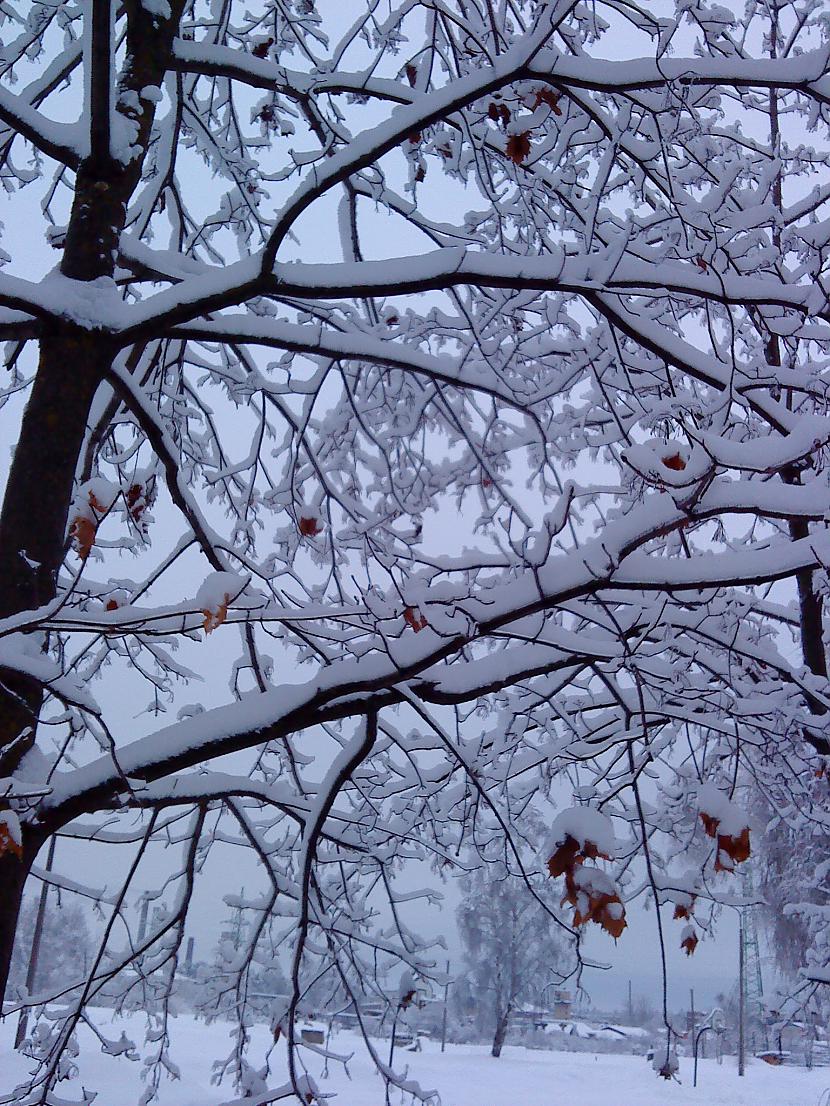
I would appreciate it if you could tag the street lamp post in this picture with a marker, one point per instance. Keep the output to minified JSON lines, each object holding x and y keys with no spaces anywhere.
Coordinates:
{"x":716,"y":1023}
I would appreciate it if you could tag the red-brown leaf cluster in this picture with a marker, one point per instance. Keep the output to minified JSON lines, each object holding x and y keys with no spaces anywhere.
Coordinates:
{"x":681,"y":911}
{"x":689,"y":943}
{"x":310,"y":526}
{"x":518,"y":147}
{"x":674,"y":461}
{"x":569,"y":853}
{"x":549,"y":97}
{"x":735,"y":847}
{"x":413,"y":617}
{"x":604,"y":909}
{"x":138,"y":498}
{"x":7,"y":842}
{"x":590,"y":905}
{"x":499,"y":113}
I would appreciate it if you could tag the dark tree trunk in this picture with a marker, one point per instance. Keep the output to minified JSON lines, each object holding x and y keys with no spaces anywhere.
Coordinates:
{"x":72,"y":363}
{"x":501,"y":1033}
{"x":32,"y":544}
{"x":14,"y":872}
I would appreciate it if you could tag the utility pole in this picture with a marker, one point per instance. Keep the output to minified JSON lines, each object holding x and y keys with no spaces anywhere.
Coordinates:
{"x":31,"y":971}
{"x":630,"y":1004}
{"x":142,"y":921}
{"x":444,"y":1013}
{"x":741,"y":996}
{"x":692,"y":1012}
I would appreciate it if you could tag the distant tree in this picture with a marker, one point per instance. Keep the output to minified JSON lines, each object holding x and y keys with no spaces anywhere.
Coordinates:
{"x":512,"y":947}
{"x":643,"y":1012}
{"x":65,"y":945}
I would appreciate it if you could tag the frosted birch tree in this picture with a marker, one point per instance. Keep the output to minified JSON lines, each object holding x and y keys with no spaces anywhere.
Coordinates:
{"x":512,"y":949}
{"x":453,"y":373}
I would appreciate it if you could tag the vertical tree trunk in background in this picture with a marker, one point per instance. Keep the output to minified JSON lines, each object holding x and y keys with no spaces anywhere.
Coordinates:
{"x":34,"y":951}
{"x":811,"y":613}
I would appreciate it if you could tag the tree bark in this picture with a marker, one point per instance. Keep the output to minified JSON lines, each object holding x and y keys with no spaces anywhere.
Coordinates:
{"x":33,"y":526}
{"x":72,"y":362}
{"x":501,"y":1033}
{"x":14,"y":872}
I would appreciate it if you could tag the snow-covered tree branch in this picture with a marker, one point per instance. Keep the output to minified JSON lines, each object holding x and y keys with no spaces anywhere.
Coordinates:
{"x":439,"y":394}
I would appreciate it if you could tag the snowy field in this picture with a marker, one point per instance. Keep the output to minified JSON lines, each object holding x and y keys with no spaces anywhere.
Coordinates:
{"x":465,"y":1075}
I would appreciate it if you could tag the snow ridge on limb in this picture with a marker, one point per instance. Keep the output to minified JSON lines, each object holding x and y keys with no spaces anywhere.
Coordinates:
{"x":352,"y":686}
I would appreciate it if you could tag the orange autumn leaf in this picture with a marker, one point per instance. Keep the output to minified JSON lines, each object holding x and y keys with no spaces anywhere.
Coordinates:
{"x":565,"y":857}
{"x":710,"y":824}
{"x":415,"y":619}
{"x":674,"y":461}
{"x":217,"y":616}
{"x":736,"y":848}
{"x":681,"y":911}
{"x":611,"y":916}
{"x":82,"y":532}
{"x":8,"y":840}
{"x":569,"y":853}
{"x":604,"y":910}
{"x":689,"y":943}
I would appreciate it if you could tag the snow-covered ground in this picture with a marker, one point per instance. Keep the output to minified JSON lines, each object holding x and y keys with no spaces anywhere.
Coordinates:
{"x":465,"y":1075}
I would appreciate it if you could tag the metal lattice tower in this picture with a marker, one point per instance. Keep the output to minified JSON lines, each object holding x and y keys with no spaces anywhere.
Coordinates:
{"x":753,"y":979}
